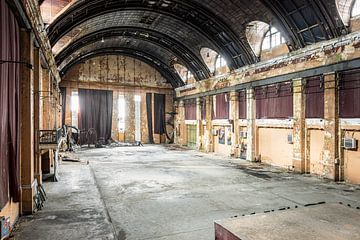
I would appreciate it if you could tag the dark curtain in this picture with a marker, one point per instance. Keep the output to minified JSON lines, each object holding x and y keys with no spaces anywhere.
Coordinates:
{"x":222,"y":105}
{"x":159,"y":113}
{"x":203,"y":109}
{"x":149,"y":117}
{"x":96,"y":111}
{"x":350,"y":94}
{"x":63,"y":104}
{"x":9,"y":103}
{"x":274,"y":102}
{"x":190,"y":109}
{"x":242,"y":105}
{"x":314,"y":107}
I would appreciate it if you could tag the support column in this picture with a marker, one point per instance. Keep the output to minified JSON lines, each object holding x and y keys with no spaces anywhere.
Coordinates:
{"x":180,"y":124}
{"x":37,"y":79}
{"x":330,"y":156}
{"x":251,"y":120}
{"x":208,"y":135}
{"x":234,"y":117}
{"x":27,"y":124}
{"x":299,"y":139}
{"x":199,"y":124}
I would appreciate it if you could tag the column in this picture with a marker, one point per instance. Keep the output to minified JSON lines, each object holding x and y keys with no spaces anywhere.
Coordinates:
{"x":199,"y":124}
{"x":251,"y":127}
{"x":27,"y":124}
{"x":299,"y":139}
{"x":208,"y":135}
{"x":234,"y":117}
{"x":181,"y":129}
{"x":37,"y":77}
{"x":331,"y":127}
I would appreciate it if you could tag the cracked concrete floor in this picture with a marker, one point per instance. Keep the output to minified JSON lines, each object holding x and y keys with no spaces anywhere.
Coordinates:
{"x":165,"y":192}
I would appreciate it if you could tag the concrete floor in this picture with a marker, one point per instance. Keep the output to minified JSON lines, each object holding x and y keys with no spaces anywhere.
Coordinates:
{"x":165,"y":192}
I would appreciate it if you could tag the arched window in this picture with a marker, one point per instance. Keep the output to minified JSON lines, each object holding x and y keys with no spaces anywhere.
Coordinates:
{"x":184,"y":73}
{"x":355,"y":9}
{"x":209,"y":57}
{"x":255,"y":32}
{"x":220,"y":62}
{"x":272,"y":39}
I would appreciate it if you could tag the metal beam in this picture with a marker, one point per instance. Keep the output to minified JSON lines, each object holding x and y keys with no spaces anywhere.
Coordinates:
{"x":336,"y":67}
{"x":187,"y":57}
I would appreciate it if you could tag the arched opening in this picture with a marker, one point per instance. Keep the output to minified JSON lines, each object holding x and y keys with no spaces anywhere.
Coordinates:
{"x":348,"y":11}
{"x":355,"y":12}
{"x":220,"y":65}
{"x":273,"y":44}
{"x":255,"y":32}
{"x":209,"y":57}
{"x":185,"y":74}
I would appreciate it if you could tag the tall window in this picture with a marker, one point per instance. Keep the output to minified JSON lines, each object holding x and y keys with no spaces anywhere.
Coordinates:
{"x":74,"y":108}
{"x":220,"y":62}
{"x":272,"y":39}
{"x":356,"y":8}
{"x":121,"y":114}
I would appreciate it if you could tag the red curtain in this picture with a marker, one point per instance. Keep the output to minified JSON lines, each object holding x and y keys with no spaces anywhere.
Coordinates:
{"x":9,"y":100}
{"x":274,"y":102}
{"x":242,"y":105}
{"x":190,"y":109}
{"x":349,"y":94}
{"x":221,"y":107}
{"x":314,"y":97}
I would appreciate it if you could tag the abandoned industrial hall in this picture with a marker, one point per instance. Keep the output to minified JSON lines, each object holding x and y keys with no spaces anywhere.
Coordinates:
{"x":180,"y":119}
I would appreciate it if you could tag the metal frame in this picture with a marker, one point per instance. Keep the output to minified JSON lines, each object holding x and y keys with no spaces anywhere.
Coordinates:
{"x":185,"y":55}
{"x":167,"y":72}
{"x":237,"y":53}
{"x":337,"y":67}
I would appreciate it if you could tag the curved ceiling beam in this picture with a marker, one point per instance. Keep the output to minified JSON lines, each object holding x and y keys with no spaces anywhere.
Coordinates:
{"x":167,"y":72}
{"x":306,"y":21}
{"x":187,"y":57}
{"x":235,"y":51}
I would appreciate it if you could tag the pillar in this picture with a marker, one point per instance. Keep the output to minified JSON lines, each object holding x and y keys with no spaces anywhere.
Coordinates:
{"x":181,"y":134}
{"x":199,"y":124}
{"x":251,"y":127}
{"x":27,"y":124}
{"x":234,"y":117}
{"x":299,"y":138}
{"x":208,"y":135}
{"x":331,"y":126}
{"x":37,"y":79}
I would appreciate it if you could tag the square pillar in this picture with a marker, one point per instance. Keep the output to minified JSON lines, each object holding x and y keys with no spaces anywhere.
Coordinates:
{"x":180,"y":134}
{"x":234,"y":117}
{"x":199,"y":124}
{"x":27,"y":124}
{"x":37,"y":80}
{"x":251,"y":128}
{"x":208,"y":135}
{"x":330,"y":157}
{"x":299,"y":140}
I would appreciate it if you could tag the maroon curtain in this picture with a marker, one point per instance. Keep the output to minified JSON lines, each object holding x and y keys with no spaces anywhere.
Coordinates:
{"x":350,"y":94}
{"x":314,"y":97}
{"x":242,"y":105}
{"x":9,"y":100}
{"x":274,"y":102}
{"x":159,"y":113}
{"x":96,"y":111}
{"x":63,"y":105}
{"x":149,"y":117}
{"x":203,"y":109}
{"x":190,"y":109}
{"x":222,"y":106}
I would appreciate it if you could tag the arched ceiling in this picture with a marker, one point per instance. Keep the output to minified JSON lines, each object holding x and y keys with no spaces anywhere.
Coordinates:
{"x":142,"y":50}
{"x":182,"y":28}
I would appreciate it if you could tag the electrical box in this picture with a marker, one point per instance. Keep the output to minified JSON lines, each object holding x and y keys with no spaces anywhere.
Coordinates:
{"x":243,"y":134}
{"x":290,"y":138}
{"x":350,"y":143}
{"x":5,"y":227}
